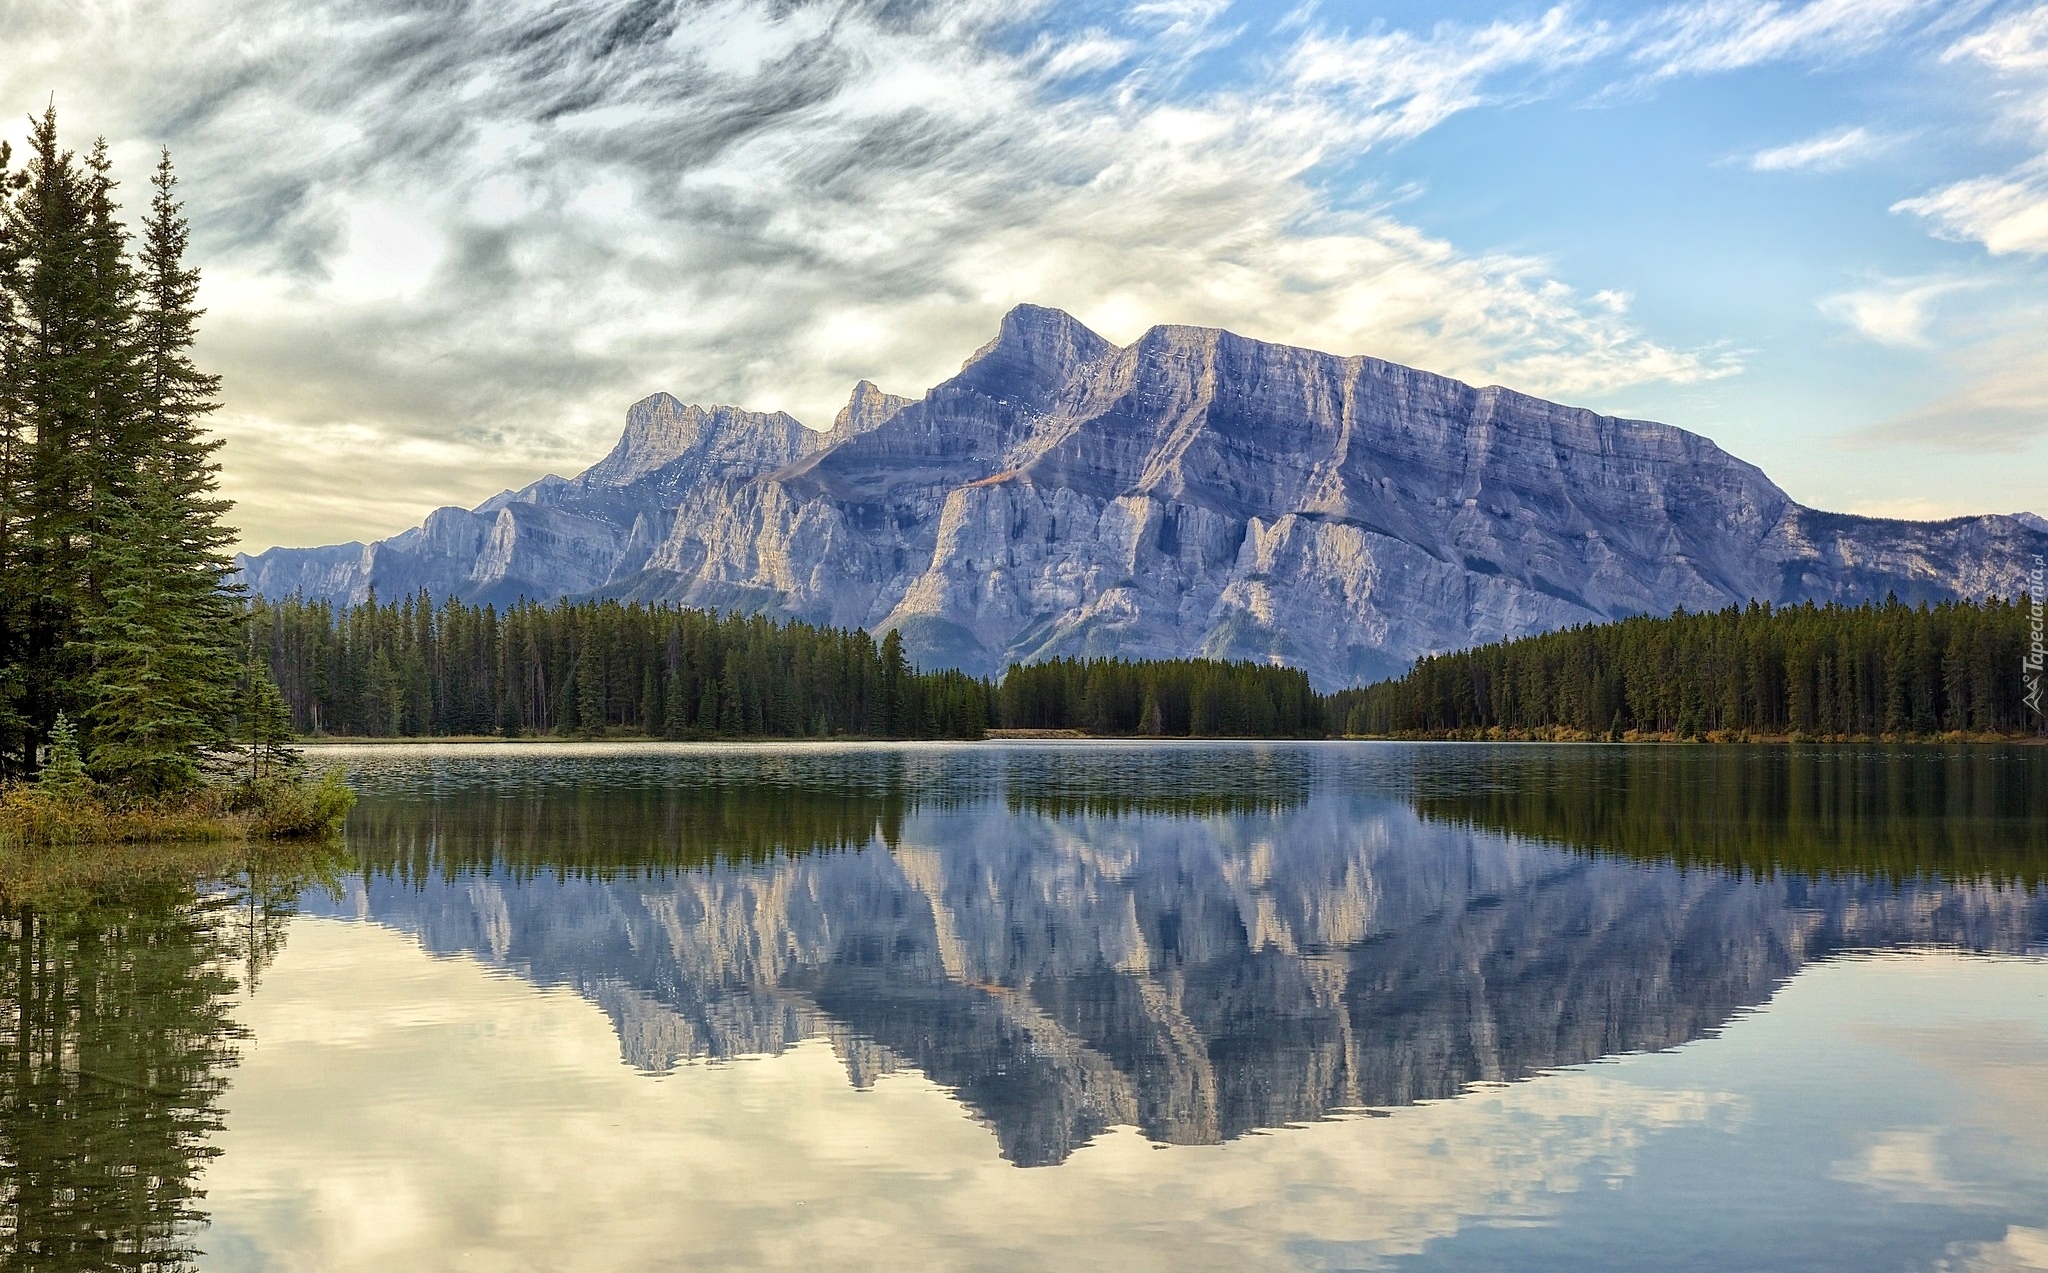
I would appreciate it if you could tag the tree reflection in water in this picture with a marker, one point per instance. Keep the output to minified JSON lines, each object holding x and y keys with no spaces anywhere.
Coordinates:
{"x":1202,"y":942}
{"x":1195,"y":941}
{"x":118,"y":1042}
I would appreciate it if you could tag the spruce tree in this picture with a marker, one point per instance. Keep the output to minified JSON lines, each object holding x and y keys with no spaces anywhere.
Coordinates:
{"x":155,"y":697}
{"x":895,"y":720}
{"x":15,"y":584}
{"x":111,"y":548}
{"x":175,"y":396}
{"x":63,"y":776}
{"x":263,"y":723}
{"x":52,"y":399}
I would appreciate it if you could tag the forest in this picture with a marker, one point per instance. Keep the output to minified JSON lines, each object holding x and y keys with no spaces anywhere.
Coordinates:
{"x":418,"y":668}
{"x":120,"y":649}
{"x":1806,"y":671}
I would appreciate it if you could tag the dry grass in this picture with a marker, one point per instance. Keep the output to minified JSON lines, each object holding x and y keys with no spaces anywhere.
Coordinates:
{"x":54,"y":847}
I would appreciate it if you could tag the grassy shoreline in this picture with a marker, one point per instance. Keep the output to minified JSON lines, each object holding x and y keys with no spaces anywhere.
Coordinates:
{"x":39,"y":823}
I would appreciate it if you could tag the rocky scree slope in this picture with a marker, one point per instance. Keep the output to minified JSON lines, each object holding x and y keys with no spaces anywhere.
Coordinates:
{"x":1194,"y":492}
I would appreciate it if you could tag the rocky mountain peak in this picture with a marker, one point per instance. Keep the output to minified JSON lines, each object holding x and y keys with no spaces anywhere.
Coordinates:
{"x":1194,"y":492}
{"x":869,"y":408}
{"x":660,"y":430}
{"x":1036,"y":352}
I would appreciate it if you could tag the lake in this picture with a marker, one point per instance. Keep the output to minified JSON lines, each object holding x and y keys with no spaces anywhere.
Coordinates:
{"x":1065,"y":1006}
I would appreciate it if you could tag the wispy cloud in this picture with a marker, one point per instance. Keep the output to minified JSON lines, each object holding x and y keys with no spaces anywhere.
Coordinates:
{"x":2006,"y":212}
{"x":1396,"y":85}
{"x":1827,"y":152}
{"x":446,"y":245}
{"x":1726,"y":35}
{"x":447,"y":232}
{"x":1894,"y":314}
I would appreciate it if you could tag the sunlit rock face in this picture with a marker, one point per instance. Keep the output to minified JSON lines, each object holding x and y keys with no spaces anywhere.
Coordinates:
{"x":1193,"y":492}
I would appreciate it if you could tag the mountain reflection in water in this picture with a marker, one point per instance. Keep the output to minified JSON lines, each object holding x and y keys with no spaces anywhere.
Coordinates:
{"x":1198,"y":942}
{"x":1194,"y":941}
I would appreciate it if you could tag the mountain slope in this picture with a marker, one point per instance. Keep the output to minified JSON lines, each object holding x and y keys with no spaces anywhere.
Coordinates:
{"x":1192,"y":492}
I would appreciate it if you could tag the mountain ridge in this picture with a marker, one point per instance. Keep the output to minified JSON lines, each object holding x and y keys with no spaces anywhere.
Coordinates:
{"x":1192,"y":492}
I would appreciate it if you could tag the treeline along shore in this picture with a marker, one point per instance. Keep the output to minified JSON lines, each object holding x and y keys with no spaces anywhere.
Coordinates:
{"x":419,"y":668}
{"x":1801,"y":672}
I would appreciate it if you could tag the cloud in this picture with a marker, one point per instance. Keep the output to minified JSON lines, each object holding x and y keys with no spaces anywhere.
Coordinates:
{"x":1896,"y":314}
{"x":450,"y":233}
{"x":445,"y":246}
{"x":2000,"y":407}
{"x":2006,"y":212}
{"x":1397,"y":85}
{"x":2015,"y":43}
{"x":1827,"y":152}
{"x":1727,"y":35}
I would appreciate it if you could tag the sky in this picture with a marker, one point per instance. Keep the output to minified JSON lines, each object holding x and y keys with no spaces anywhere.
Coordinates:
{"x":445,"y":246}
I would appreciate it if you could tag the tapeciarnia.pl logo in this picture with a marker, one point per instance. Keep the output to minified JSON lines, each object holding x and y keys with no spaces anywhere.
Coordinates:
{"x":2037,"y":653}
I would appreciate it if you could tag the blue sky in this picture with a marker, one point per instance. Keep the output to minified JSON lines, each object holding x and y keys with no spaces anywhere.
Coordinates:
{"x":444,"y":250}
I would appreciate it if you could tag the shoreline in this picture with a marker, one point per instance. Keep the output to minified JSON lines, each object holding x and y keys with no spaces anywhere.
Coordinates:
{"x":1492,"y":735}
{"x":37,"y":824}
{"x":1712,"y":738}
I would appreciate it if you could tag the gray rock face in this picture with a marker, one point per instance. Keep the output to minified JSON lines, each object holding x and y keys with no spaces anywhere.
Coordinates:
{"x":1192,"y":493}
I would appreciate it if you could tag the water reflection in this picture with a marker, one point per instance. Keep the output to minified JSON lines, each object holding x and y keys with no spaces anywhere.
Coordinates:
{"x":1960,"y":813}
{"x":117,"y":1042}
{"x":1198,"y":942}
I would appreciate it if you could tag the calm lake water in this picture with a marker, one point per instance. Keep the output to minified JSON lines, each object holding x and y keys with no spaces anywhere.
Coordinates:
{"x":1318,"y":1006}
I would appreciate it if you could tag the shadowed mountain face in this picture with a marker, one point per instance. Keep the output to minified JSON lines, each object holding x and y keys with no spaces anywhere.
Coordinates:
{"x":1079,"y":942}
{"x":1192,"y":493}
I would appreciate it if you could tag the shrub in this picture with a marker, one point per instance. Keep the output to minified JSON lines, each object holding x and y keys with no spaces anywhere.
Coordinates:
{"x":289,"y":808}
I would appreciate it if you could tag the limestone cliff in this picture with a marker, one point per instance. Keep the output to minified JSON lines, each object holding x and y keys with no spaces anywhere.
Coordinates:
{"x":1192,"y":492}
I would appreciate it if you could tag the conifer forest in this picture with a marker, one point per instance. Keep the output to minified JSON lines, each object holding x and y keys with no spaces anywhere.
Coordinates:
{"x":590,"y":668}
{"x":1814,"y":671}
{"x":115,"y":618}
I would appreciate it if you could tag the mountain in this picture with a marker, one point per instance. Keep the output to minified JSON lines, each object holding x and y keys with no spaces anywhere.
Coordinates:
{"x":1194,"y":492}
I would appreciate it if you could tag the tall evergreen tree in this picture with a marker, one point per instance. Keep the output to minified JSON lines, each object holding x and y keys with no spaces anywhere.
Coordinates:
{"x":154,"y":693}
{"x":175,"y":396}
{"x":15,"y":584}
{"x":50,"y":379}
{"x":111,"y":542}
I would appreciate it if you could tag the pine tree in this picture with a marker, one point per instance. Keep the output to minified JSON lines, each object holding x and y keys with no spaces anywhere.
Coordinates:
{"x":175,"y":396}
{"x":16,"y":586}
{"x":63,"y":776}
{"x":51,"y":392}
{"x":110,"y":536}
{"x":263,"y":723}
{"x":895,"y":698}
{"x":152,"y":693}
